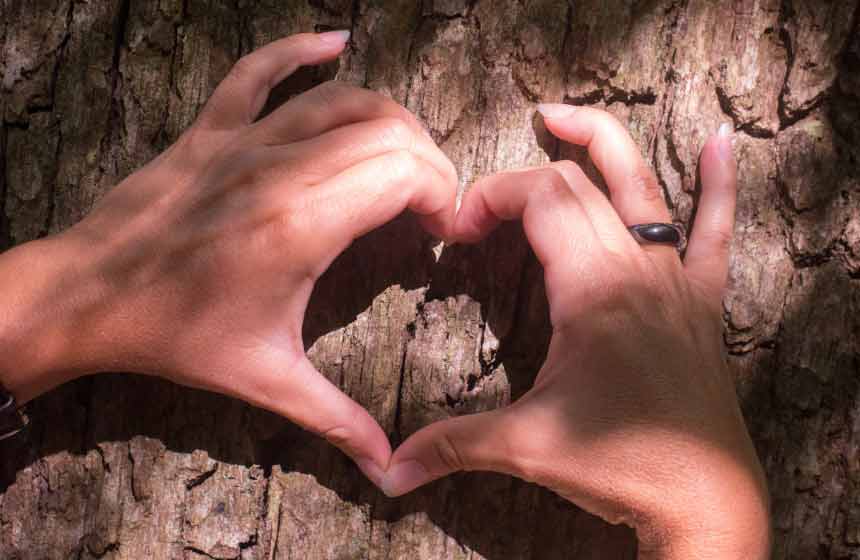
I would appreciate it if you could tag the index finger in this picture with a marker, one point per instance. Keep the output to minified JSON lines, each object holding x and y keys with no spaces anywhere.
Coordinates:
{"x":240,"y":96}
{"x":633,"y":188}
{"x":328,"y":106}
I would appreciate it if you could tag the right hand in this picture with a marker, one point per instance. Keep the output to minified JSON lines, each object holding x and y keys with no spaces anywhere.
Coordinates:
{"x":634,"y":415}
{"x":198,"y":267}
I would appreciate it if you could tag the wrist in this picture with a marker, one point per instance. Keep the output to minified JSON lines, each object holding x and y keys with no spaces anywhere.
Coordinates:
{"x":724,"y":541}
{"x":740,"y":538}
{"x":48,"y":308}
{"x":724,"y":516}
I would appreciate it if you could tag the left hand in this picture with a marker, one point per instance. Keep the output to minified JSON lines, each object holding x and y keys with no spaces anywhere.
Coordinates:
{"x":199,"y":266}
{"x":634,"y":415}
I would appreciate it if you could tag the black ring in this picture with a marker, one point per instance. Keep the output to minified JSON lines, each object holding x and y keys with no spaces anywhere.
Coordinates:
{"x":659,"y":233}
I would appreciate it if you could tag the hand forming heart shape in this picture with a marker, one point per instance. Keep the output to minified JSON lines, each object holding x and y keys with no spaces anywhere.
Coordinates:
{"x":199,"y":268}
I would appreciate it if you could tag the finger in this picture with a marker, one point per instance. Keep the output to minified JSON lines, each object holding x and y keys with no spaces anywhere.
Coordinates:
{"x":465,"y":443}
{"x":604,"y":219}
{"x":599,"y":210}
{"x":326,"y":107}
{"x":552,"y":215}
{"x":319,"y":158}
{"x":555,"y":223}
{"x":371,"y":193}
{"x":707,"y":257}
{"x":633,"y":188}
{"x":240,"y":97}
{"x":302,"y":394}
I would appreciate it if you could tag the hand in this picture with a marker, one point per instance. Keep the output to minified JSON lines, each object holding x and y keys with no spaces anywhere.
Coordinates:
{"x":633,"y":416}
{"x":198,"y":267}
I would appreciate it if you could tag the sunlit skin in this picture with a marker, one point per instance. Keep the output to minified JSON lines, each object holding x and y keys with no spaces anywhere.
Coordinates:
{"x":198,"y":269}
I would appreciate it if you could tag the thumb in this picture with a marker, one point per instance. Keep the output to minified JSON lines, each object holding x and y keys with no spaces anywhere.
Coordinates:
{"x":306,"y":397}
{"x":465,"y":443}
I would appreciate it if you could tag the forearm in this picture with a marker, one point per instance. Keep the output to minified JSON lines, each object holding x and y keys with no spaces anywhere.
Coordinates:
{"x":752,"y":544}
{"x":48,"y":314}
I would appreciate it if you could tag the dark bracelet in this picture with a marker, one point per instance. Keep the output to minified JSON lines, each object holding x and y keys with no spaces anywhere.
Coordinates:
{"x":12,"y":418}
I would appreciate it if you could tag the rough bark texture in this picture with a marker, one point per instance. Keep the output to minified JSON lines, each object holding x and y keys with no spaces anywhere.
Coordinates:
{"x":121,"y":466}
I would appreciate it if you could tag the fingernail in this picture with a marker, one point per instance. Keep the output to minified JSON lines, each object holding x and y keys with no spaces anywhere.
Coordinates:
{"x":555,"y":110}
{"x":371,"y":470}
{"x":404,"y":477}
{"x":339,"y":37}
{"x":724,"y":137}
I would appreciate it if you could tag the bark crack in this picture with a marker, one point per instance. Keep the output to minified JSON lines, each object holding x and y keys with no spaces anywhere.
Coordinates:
{"x":665,"y":113}
{"x":788,"y":117}
{"x":277,"y":532}
{"x":397,"y":436}
{"x":201,"y":552}
{"x":102,"y":553}
{"x":202,"y":477}
{"x":55,"y":78}
{"x":410,"y":80}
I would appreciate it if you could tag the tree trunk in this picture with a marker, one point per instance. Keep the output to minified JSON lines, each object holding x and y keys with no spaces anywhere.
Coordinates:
{"x":121,"y":466}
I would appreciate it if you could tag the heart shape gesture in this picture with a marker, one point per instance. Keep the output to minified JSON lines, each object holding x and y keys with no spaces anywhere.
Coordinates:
{"x":633,"y":416}
{"x":199,"y":267}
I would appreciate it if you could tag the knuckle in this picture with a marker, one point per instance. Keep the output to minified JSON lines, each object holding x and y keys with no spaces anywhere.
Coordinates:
{"x":281,"y":228}
{"x":246,"y":68}
{"x":289,"y":224}
{"x":344,"y":434}
{"x":566,"y":165}
{"x":329,"y":92}
{"x":551,"y":184}
{"x":247,"y":167}
{"x":194,"y":144}
{"x":402,"y":164}
{"x":202,"y":148}
{"x":339,"y":436}
{"x":447,"y":451}
{"x":395,"y":133}
{"x":607,"y":118}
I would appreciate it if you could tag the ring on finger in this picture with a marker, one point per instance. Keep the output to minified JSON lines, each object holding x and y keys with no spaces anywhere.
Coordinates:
{"x":659,"y":233}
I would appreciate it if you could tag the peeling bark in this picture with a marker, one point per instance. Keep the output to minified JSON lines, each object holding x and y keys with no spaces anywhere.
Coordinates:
{"x":122,"y":466}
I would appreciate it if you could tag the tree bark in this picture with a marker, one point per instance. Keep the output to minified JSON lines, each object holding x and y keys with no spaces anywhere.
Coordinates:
{"x":121,"y":466}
